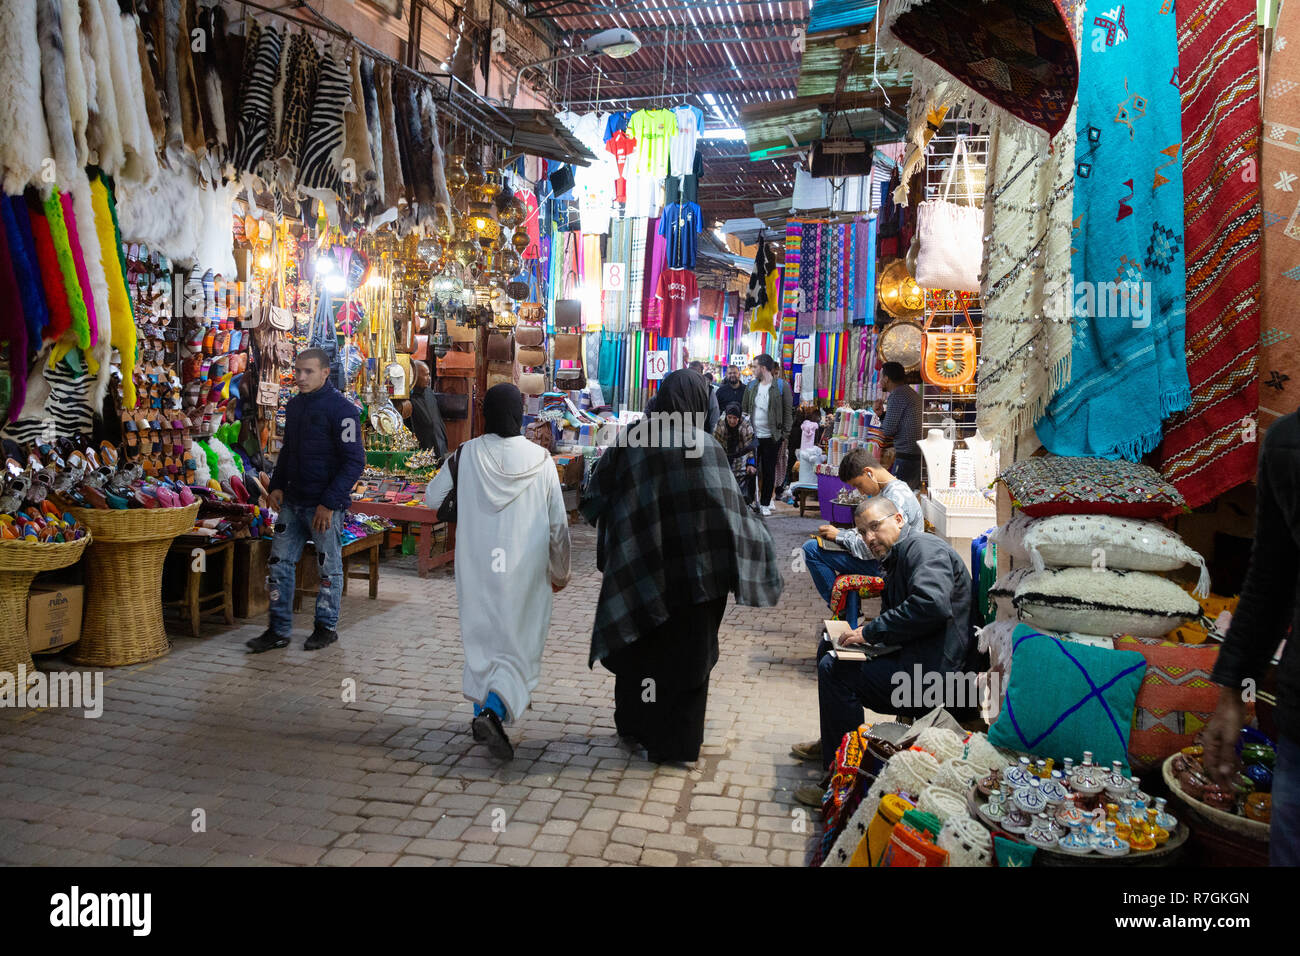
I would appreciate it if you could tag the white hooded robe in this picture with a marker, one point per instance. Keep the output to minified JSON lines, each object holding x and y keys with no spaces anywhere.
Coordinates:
{"x":512,"y":544}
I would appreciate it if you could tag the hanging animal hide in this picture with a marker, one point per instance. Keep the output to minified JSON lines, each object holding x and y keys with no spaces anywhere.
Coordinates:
{"x":375,"y":135}
{"x":193,"y":118}
{"x":171,"y":13}
{"x":322,"y":150}
{"x":421,"y":152}
{"x":209,"y":65}
{"x":358,"y":160}
{"x":149,"y":88}
{"x":75,"y":76}
{"x":163,"y":213}
{"x":24,"y":142}
{"x":404,"y":110}
{"x":141,"y":147}
{"x":256,"y":101}
{"x":301,"y":73}
{"x":153,"y":37}
{"x":104,"y":130}
{"x":440,"y":191}
{"x":394,"y":186}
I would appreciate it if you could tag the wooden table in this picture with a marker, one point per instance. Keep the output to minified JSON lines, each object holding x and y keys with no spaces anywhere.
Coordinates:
{"x":369,"y":545}
{"x":193,"y":603}
{"x":426,"y":518}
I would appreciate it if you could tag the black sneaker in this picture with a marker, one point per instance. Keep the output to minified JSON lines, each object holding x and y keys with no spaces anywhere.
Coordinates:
{"x":268,"y":640}
{"x":488,"y":730}
{"x":320,"y":637}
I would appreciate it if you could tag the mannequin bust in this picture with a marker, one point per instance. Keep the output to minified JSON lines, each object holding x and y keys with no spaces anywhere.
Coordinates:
{"x":937,"y":451}
{"x":985,"y":467}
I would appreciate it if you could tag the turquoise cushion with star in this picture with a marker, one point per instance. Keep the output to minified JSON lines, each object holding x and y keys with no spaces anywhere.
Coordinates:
{"x":1065,"y":698}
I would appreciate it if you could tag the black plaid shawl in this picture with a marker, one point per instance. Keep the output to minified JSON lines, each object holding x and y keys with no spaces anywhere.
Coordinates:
{"x":672,"y":531}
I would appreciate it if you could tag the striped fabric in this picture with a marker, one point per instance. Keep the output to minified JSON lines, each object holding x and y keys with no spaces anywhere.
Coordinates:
{"x":1204,"y":454}
{"x":255,"y":105}
{"x":639,"y":231}
{"x":323,"y":147}
{"x":66,"y":411}
{"x":790,"y":280}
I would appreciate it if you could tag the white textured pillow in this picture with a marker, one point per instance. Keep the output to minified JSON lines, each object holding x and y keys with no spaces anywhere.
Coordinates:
{"x":1103,"y":602}
{"x":1004,"y":589}
{"x":1126,"y":544}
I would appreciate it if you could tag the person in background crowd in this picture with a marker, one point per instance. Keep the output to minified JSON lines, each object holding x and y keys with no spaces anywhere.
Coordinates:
{"x":1269,"y":604}
{"x":924,"y":612}
{"x":901,"y":422}
{"x":673,"y":538}
{"x":735,"y":434}
{"x":768,"y":403}
{"x":512,"y":541}
{"x":732,"y":390}
{"x":865,"y":475}
{"x":311,"y":488}
{"x":711,"y":420}
{"x":426,"y":420}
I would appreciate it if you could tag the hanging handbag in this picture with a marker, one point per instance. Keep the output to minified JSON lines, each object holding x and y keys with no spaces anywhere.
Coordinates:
{"x":461,"y":333}
{"x":568,"y":312}
{"x":530,"y":336}
{"x":562,"y":181}
{"x":501,"y":373}
{"x":568,"y":347}
{"x":533,"y":312}
{"x":530,"y":357}
{"x":570,"y":379}
{"x":951,"y":236}
{"x":500,"y":347}
{"x":948,"y":358}
{"x":532,"y":383}
{"x":517,"y":289}
{"x":447,"y":510}
{"x":452,"y":406}
{"x":840,"y":155}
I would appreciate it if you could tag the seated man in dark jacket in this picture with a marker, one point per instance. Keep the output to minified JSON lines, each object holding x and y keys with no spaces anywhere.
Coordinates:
{"x":311,"y":488}
{"x":426,"y":420}
{"x":924,"y":611}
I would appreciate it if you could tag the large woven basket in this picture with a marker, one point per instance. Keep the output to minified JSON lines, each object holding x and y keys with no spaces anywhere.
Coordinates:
{"x":20,"y":561}
{"x":124,"y":567}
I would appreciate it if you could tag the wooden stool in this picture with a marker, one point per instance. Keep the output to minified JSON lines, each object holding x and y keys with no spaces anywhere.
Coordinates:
{"x":801,"y":495}
{"x":193,"y":603}
{"x":369,"y":544}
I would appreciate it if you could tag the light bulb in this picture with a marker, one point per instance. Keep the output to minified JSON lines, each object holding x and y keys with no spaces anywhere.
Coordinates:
{"x":335,"y":283}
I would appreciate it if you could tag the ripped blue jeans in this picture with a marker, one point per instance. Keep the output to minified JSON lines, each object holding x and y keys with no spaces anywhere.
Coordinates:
{"x":293,"y":530}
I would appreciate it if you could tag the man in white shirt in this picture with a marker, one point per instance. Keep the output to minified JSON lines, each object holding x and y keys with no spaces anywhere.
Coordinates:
{"x":860,"y":470}
{"x":769,"y":404}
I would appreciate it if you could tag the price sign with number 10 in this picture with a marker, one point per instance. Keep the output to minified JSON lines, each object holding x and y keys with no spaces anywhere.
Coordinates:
{"x":656,"y":364}
{"x":802,"y":351}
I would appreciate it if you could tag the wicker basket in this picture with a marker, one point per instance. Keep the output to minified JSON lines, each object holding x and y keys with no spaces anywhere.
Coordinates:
{"x":20,"y":561}
{"x":124,"y":566}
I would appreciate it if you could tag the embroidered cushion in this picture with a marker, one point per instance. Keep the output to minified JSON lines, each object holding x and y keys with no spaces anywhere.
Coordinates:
{"x":867,"y":586}
{"x":1103,"y":602}
{"x":1086,"y":540}
{"x":1176,"y":699}
{"x":1064,"y":699}
{"x":1054,"y":485}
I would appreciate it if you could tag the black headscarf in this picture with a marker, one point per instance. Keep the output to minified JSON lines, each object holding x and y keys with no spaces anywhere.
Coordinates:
{"x":503,"y":411}
{"x":733,"y":434}
{"x":683,"y":391}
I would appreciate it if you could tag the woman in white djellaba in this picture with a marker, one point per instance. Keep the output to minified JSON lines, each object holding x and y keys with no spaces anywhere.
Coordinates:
{"x":512,"y":541}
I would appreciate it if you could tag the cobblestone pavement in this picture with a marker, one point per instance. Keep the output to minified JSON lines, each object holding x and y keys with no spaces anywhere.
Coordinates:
{"x":284,"y":771}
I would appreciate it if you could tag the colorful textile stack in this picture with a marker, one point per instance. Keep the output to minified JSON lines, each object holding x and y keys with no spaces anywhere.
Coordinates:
{"x":1206,"y":450}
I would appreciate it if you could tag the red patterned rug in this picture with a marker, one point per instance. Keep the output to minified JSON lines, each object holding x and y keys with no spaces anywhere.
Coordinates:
{"x":1017,"y":54}
{"x":1212,"y":445}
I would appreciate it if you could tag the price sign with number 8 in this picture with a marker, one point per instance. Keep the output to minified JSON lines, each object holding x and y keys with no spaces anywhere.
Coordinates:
{"x":615,"y":276}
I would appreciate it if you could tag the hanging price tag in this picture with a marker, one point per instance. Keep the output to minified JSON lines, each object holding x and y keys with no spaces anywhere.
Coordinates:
{"x":803,"y":350}
{"x":656,"y":364}
{"x":615,"y":277}
{"x":739,"y":359}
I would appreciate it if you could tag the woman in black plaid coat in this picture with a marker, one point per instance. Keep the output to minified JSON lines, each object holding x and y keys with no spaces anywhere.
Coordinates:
{"x":674,"y":538}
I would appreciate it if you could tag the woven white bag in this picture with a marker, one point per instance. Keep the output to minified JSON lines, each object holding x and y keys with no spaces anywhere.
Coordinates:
{"x":951,"y":236}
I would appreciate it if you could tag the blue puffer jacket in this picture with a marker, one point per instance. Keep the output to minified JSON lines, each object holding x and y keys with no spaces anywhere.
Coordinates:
{"x":323,"y":455}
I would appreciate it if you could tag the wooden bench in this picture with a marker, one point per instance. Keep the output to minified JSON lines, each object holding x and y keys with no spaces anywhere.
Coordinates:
{"x":193,"y":604}
{"x":370,"y":544}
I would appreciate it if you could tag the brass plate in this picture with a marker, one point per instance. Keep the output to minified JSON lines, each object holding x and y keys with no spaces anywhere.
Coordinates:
{"x":901,"y":342}
{"x":898,"y":292}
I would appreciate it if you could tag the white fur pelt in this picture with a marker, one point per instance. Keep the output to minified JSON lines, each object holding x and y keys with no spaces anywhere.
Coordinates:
{"x":24,"y":142}
{"x":127,"y":121}
{"x":104,"y":132}
{"x":165,"y":212}
{"x":216,"y":248}
{"x":75,"y":75}
{"x":54,"y":87}
{"x":141,"y":148}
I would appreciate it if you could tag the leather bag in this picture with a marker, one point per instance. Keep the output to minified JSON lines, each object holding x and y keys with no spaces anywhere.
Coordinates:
{"x":948,"y":358}
{"x":500,"y":347}
{"x":530,"y":336}
{"x":530,"y":357}
{"x":532,"y":383}
{"x":951,"y":236}
{"x":568,"y":347}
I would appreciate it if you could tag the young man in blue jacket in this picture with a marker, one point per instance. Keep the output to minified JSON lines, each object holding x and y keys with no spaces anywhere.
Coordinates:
{"x":311,"y":488}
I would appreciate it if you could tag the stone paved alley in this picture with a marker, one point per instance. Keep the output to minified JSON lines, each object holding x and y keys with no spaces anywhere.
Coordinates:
{"x":286,"y":772}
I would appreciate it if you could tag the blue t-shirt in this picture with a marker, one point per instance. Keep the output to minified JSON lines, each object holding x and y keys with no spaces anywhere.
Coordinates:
{"x":617,"y":121}
{"x":680,"y":224}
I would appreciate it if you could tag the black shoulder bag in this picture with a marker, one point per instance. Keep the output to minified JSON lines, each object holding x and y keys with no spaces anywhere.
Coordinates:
{"x":447,"y":510}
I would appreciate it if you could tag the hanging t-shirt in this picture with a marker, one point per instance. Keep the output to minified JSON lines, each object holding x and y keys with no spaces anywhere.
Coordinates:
{"x":679,"y":293}
{"x":681,"y":152}
{"x":616,"y":123}
{"x":680,"y":224}
{"x":685,"y":188}
{"x":620,"y":146}
{"x":532,"y":227}
{"x":653,"y":131}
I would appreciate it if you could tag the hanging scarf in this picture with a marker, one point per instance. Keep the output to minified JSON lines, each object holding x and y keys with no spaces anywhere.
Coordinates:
{"x":1203,"y":454}
{"x":1129,"y":371}
{"x":790,"y":282}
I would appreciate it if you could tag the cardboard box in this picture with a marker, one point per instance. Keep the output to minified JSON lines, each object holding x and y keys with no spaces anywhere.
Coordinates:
{"x":54,"y":618}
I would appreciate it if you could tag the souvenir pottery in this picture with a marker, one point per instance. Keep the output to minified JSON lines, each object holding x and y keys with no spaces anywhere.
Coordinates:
{"x":1040,"y":769}
{"x":1178,"y":764}
{"x":1017,"y":775}
{"x":1054,"y":791}
{"x":1118,"y":786}
{"x":1192,"y":783}
{"x":1120,"y":823}
{"x":1031,"y":799}
{"x":1016,"y":820}
{"x":1140,"y":838}
{"x":1195,"y":750}
{"x":1041,"y":833}
{"x":1258,"y":753}
{"x":1069,"y":814}
{"x":1259,"y":807}
{"x":1155,"y":829}
{"x":1138,"y":794}
{"x":1085,"y":780}
{"x":1076,"y":841}
{"x":1164,"y":817}
{"x":1111,"y":844}
{"x":1261,"y":776}
{"x":1067,"y":767}
{"x":995,"y":810}
{"x":1219,"y":798}
{"x":988,"y":784}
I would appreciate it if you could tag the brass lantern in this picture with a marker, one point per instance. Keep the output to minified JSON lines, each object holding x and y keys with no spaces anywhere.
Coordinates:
{"x":476,"y":175}
{"x":512,"y":213}
{"x":464,"y":252}
{"x":481,"y":224}
{"x":509,"y":261}
{"x":520,"y":241}
{"x":456,"y":174}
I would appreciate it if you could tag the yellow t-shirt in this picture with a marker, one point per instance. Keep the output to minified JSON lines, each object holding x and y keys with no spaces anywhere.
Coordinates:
{"x":653,"y":131}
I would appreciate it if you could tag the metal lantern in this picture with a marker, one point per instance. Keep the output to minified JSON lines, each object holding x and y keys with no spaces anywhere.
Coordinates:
{"x":429,"y":249}
{"x":475,"y":174}
{"x":512,"y":214}
{"x":457,"y":177}
{"x":464,"y":252}
{"x":519,"y":240}
{"x":509,"y":261}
